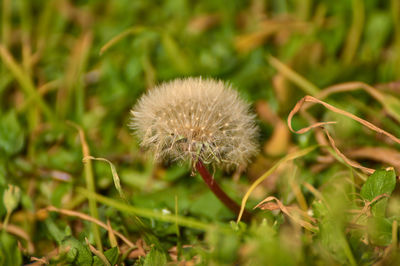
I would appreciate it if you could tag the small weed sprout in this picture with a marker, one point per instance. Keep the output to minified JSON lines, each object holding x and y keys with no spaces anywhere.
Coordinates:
{"x":200,"y":121}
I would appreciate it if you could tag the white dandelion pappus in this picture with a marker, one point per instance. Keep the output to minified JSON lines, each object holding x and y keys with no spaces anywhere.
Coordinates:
{"x":196,"y":119}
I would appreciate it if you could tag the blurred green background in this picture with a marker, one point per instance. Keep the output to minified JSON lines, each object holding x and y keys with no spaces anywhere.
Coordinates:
{"x":88,"y":62}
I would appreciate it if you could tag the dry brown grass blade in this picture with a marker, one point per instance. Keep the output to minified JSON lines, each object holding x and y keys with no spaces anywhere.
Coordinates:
{"x":380,"y":154}
{"x":267,"y":204}
{"x":141,"y":250}
{"x":249,"y":41}
{"x":90,"y":219}
{"x":311,"y":99}
{"x":347,"y":160}
{"x":97,"y":253}
{"x":393,"y":86}
{"x":122,"y":35}
{"x":291,"y":156}
{"x":350,"y":86}
{"x":202,"y":23}
{"x":389,"y":102}
{"x":38,"y":261}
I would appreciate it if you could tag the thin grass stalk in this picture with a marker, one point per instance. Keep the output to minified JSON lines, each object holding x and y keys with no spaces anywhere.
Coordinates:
{"x":395,"y":8}
{"x":355,"y":32}
{"x":92,"y":202}
{"x":147,"y":213}
{"x":90,"y":185}
{"x":26,"y":83}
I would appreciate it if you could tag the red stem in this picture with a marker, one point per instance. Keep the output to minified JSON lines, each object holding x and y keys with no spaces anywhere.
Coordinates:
{"x":216,"y":189}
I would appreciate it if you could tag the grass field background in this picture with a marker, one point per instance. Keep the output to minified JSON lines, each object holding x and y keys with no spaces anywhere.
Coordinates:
{"x":70,"y":71}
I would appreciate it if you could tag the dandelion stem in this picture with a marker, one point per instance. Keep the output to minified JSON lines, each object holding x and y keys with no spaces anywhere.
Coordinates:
{"x":216,"y":189}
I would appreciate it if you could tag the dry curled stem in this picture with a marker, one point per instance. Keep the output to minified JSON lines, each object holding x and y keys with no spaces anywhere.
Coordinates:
{"x":298,"y":216}
{"x":310,"y":99}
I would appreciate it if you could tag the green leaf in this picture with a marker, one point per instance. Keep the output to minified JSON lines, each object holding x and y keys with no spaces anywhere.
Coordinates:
{"x":11,"y":134}
{"x":79,"y":253}
{"x":111,"y":254}
{"x":9,"y":251}
{"x":54,"y":231}
{"x":155,"y":257}
{"x":380,"y":182}
{"x":380,"y":231}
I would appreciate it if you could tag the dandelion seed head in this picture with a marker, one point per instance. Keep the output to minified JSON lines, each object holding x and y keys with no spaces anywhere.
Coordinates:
{"x":196,"y":119}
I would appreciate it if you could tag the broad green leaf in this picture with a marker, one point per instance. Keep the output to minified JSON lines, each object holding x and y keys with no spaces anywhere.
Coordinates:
{"x":111,"y":254}
{"x":81,"y":254}
{"x":380,"y":182}
{"x":332,"y":238}
{"x":155,"y":257}
{"x":54,"y":231}
{"x":11,"y":134}
{"x":380,"y":231}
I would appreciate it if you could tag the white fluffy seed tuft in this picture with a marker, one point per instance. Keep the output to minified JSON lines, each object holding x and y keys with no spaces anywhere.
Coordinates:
{"x":196,"y":119}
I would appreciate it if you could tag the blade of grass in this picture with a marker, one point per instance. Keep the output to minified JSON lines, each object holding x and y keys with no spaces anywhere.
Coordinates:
{"x":395,"y":228}
{"x":285,"y":159}
{"x":301,"y":200}
{"x":26,"y":23}
{"x":72,"y":86}
{"x":99,"y":254}
{"x":117,"y":181}
{"x":122,"y":35}
{"x":304,"y":8}
{"x":44,"y":22}
{"x":90,"y":184}
{"x":144,"y":229}
{"x":297,"y":79}
{"x":355,"y":32}
{"x":395,"y":8}
{"x":26,"y":83}
{"x":111,"y":235}
{"x":347,"y":251}
{"x":176,"y":215}
{"x":146,"y":213}
{"x":5,"y":22}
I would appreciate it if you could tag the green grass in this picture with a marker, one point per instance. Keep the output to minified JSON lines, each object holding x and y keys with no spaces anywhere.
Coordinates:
{"x":85,"y":63}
